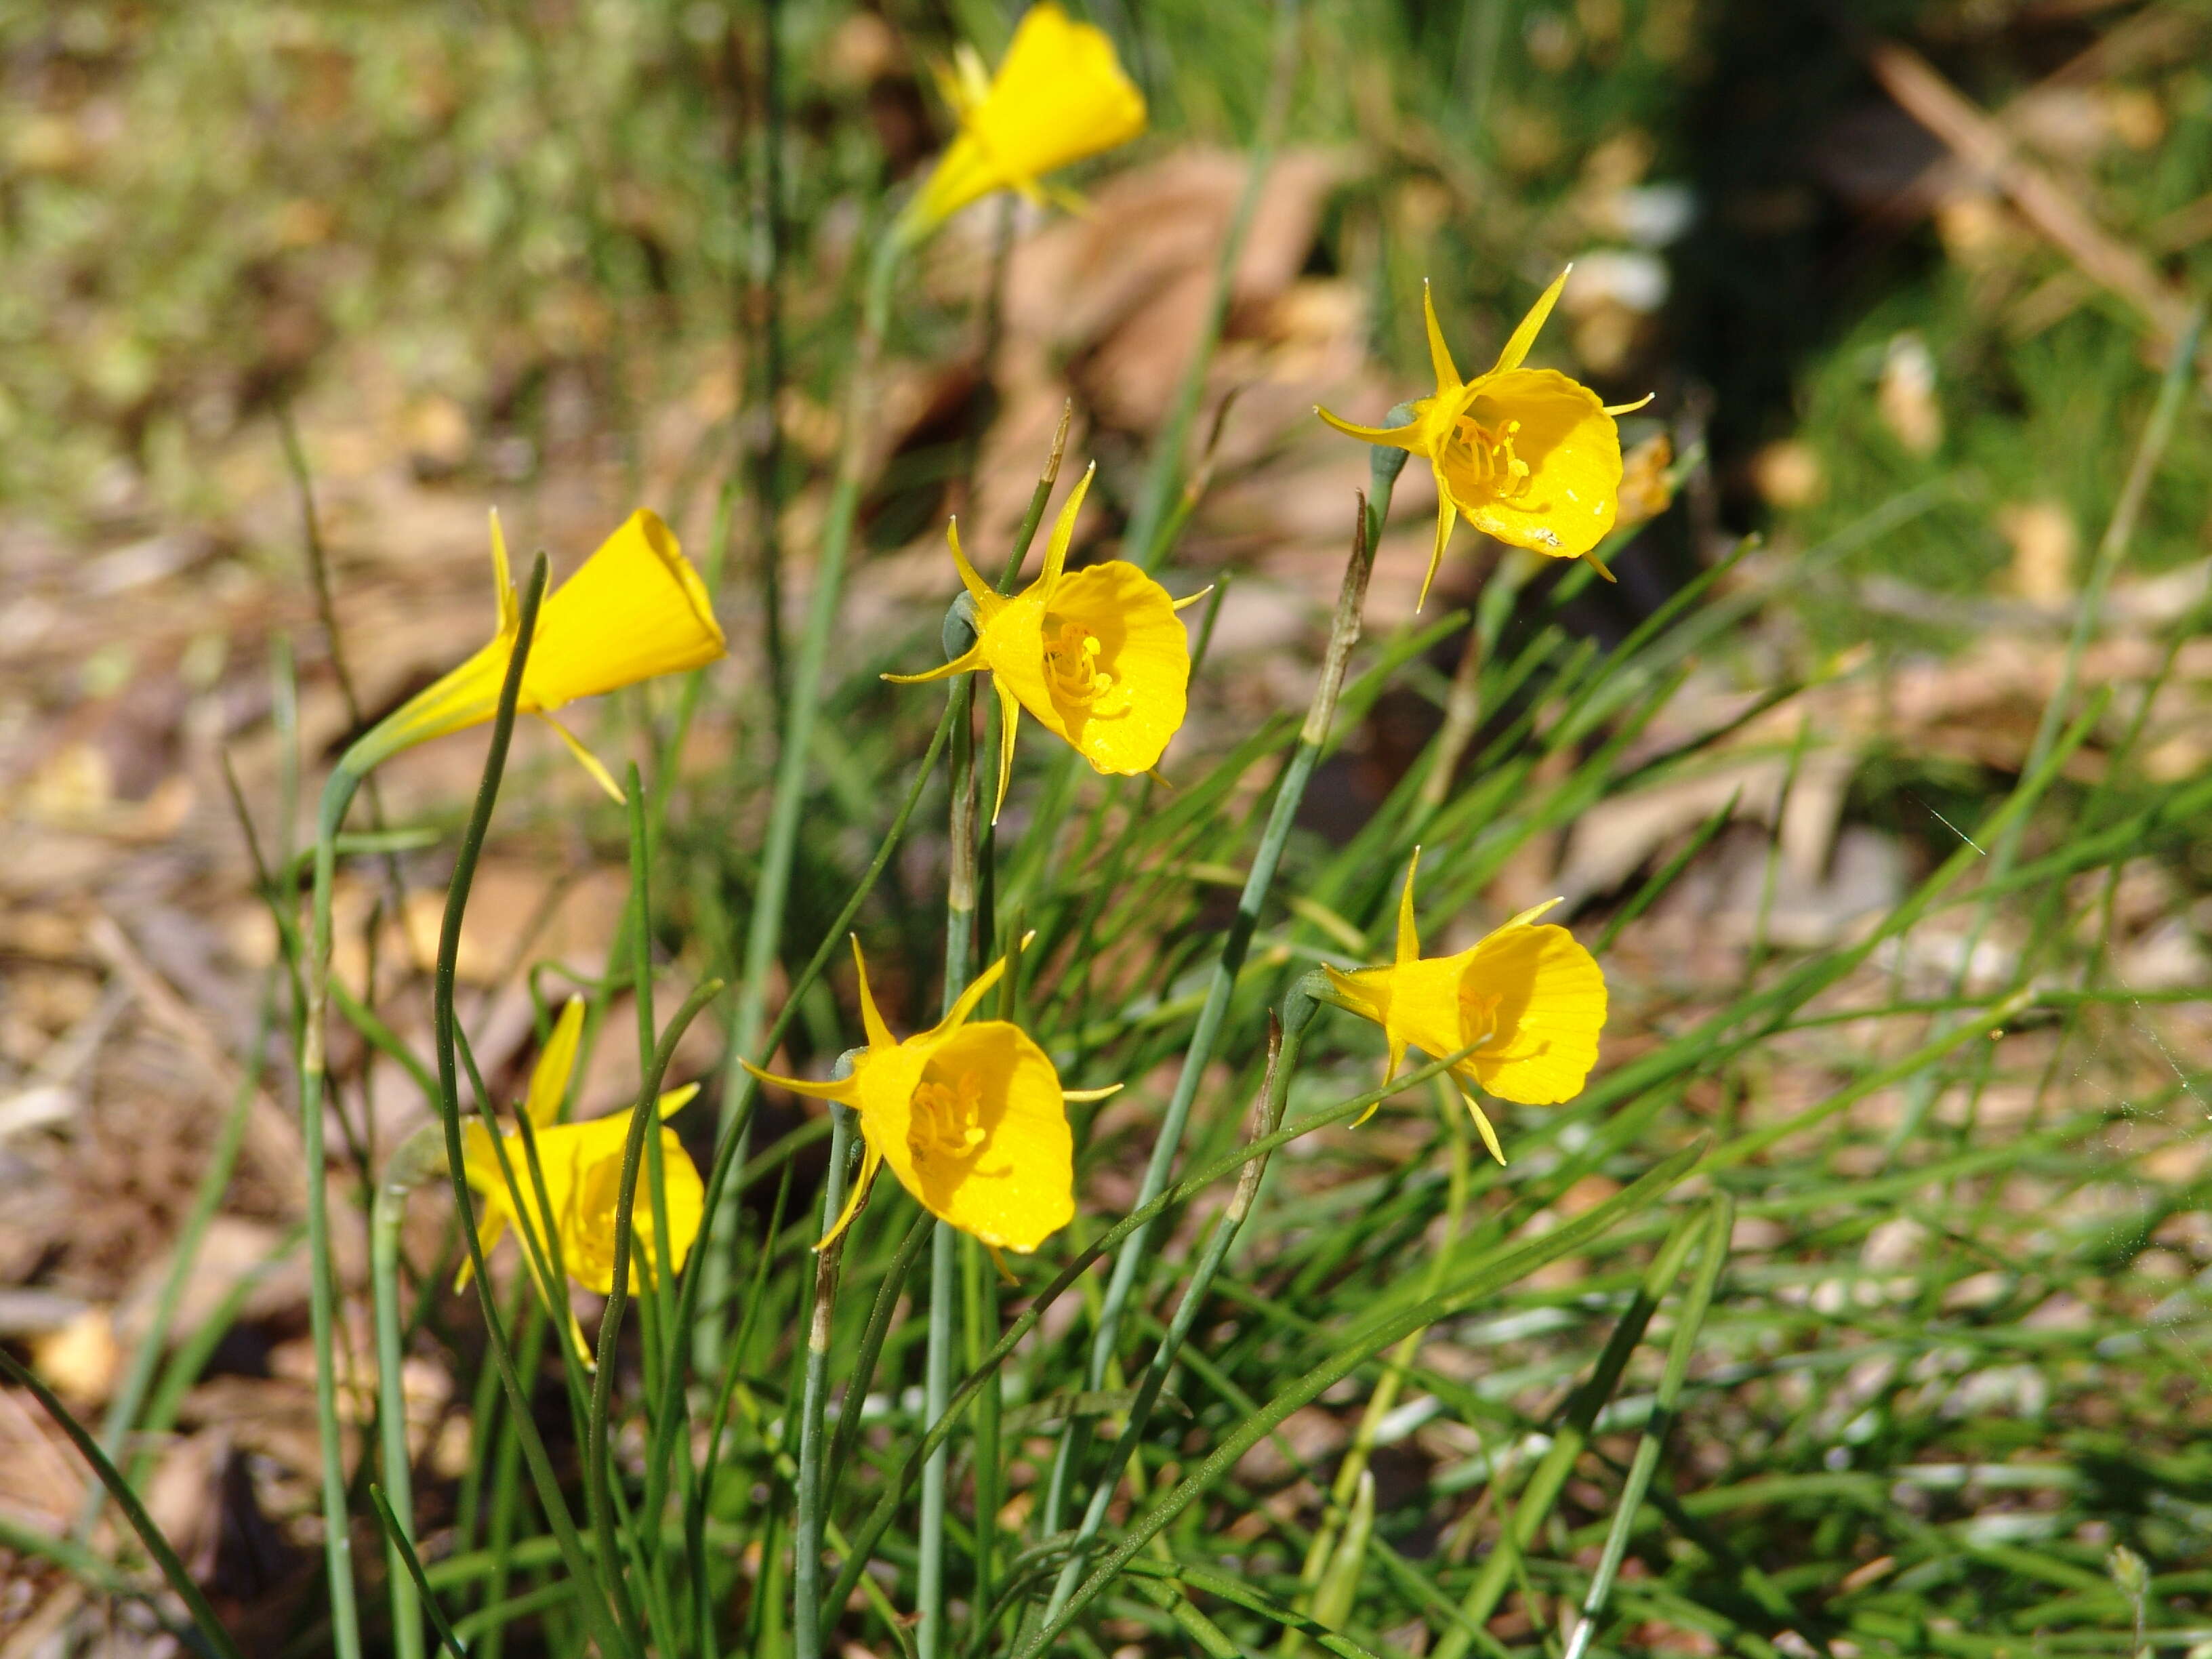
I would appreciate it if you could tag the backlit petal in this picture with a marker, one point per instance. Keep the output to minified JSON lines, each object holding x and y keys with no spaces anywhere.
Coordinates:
{"x":1143,"y":647}
{"x":1059,"y":96}
{"x":1572,"y":450}
{"x":1551,"y":1005}
{"x":1014,"y":1187}
{"x":634,"y":608}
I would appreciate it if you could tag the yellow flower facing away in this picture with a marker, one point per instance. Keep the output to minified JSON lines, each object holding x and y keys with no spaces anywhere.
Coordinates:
{"x":1528,"y":998}
{"x":582,"y":1167}
{"x":1059,"y":96}
{"x":1098,"y":656}
{"x":634,"y":610}
{"x":1526,"y":455}
{"x":969,"y":1115}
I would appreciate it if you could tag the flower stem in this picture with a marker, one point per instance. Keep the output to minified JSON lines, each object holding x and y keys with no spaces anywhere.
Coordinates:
{"x":322,"y":1289}
{"x":421,"y":1157}
{"x":1285,"y":1039}
{"x":944,"y":1241}
{"x":599,"y":1586}
{"x":807,"y":1543}
{"x":1344,"y":633}
{"x":764,"y":936}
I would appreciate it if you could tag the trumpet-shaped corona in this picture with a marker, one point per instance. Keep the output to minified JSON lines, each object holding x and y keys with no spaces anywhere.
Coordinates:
{"x":1059,"y":95}
{"x":1098,"y":656}
{"x":1526,"y":455}
{"x":581,"y":1164}
{"x":634,"y":610}
{"x":1528,"y":998}
{"x":969,"y":1115}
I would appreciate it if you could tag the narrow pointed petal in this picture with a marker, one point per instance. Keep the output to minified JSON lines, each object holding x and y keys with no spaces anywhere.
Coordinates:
{"x":1482,"y":1127}
{"x":1448,"y":377}
{"x":676,"y":1100}
{"x":586,"y":759}
{"x":871,"y":1019}
{"x":1447,"y":516}
{"x":1531,"y":914}
{"x":1524,"y":337}
{"x":1063,"y":531}
{"x":1630,"y":408}
{"x":837,"y":1089}
{"x":871,"y":1161}
{"x":986,"y":597}
{"x":549,"y":1078}
{"x":510,"y":612}
{"x":965,"y":1004}
{"x":966,"y":663}
{"x":1598,"y":565}
{"x":1409,"y":938}
{"x":1406,"y":437}
{"x":1010,"y":716}
{"x":1085,"y":1095}
{"x":1185,"y":604}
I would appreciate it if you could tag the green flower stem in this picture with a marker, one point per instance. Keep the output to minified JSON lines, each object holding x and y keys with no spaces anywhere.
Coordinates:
{"x":644,"y":1116}
{"x":1720,"y":1225}
{"x":1285,"y":1041}
{"x":1508,"y":1269}
{"x":806,"y":1542}
{"x":1344,"y":633}
{"x":421,"y":1157}
{"x":959,"y":635}
{"x":400,"y":1542}
{"x":1345,"y":1490}
{"x":894,"y":1493}
{"x":729,"y":1146}
{"x":1534,"y":1506}
{"x":322,"y":1289}
{"x":597,"y":1581}
{"x":764,"y":935}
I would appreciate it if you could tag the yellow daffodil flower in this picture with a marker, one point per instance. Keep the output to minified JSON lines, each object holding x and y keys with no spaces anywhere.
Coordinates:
{"x":1526,"y":455}
{"x":1530,"y":997}
{"x":582,"y":1167}
{"x":634,"y":610}
{"x":1097,"y":655}
{"x":971,"y":1117}
{"x":1059,"y":96}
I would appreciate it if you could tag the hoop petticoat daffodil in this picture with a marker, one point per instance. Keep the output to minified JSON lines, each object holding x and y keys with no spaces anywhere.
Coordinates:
{"x":1097,"y":655}
{"x":634,"y":610}
{"x":1059,"y":96}
{"x":1526,"y":455}
{"x":582,"y":1166}
{"x":971,"y":1117}
{"x":1528,"y":998}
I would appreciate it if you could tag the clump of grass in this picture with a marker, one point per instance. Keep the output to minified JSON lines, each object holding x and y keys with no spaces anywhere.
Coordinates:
{"x":1854,"y":1306}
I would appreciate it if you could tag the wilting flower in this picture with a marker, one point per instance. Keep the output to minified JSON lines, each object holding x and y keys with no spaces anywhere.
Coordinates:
{"x":582,"y":1166}
{"x":971,"y":1117}
{"x":1527,"y":998}
{"x":634,"y":610}
{"x":1059,"y":96}
{"x":1527,"y":455}
{"x":1097,"y":655}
